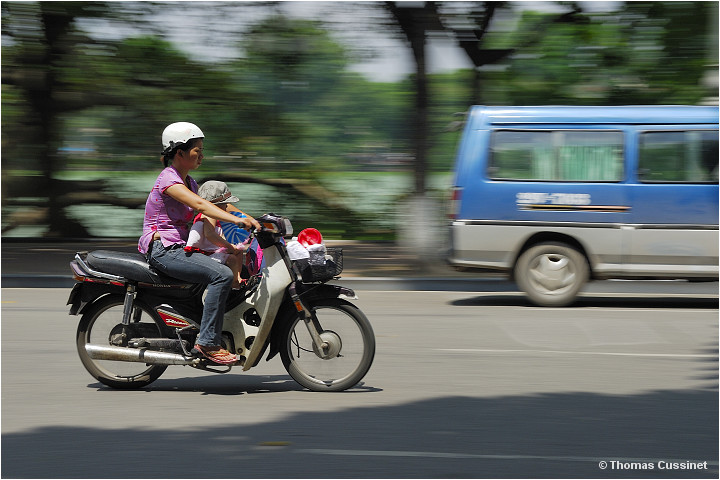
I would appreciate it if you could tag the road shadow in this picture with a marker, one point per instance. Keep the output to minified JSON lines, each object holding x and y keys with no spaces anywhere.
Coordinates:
{"x":238,"y":385}
{"x":593,"y":302}
{"x":217,"y":384}
{"x":548,"y":435}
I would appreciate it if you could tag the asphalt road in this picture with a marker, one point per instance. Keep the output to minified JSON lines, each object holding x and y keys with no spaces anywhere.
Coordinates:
{"x":464,"y":385}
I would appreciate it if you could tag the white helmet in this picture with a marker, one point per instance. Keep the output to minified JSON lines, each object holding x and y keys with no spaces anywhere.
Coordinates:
{"x":178,"y":133}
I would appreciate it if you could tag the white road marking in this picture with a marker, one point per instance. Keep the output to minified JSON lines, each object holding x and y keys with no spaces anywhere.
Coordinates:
{"x":562,"y":458}
{"x":570,"y":352}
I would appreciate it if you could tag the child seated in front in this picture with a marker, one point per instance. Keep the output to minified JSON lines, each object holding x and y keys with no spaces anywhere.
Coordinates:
{"x":206,"y":235}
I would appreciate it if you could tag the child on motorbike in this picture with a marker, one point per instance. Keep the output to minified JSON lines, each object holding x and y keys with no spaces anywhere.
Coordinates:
{"x":206,"y":235}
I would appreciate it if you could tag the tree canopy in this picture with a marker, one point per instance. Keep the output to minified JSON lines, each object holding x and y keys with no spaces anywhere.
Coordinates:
{"x":287,"y":103}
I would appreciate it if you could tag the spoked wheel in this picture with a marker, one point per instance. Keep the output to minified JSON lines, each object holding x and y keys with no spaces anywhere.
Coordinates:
{"x":346,"y":359}
{"x":102,"y":325}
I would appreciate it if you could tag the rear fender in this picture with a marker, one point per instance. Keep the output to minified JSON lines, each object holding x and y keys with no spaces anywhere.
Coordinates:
{"x":85,"y":294}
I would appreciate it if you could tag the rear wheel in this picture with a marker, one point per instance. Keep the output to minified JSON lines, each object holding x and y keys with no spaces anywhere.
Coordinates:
{"x":348,"y":356}
{"x":551,"y":274}
{"x":102,"y":325}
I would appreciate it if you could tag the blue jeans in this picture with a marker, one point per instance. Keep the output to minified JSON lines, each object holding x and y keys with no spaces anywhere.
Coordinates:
{"x":198,"y":268}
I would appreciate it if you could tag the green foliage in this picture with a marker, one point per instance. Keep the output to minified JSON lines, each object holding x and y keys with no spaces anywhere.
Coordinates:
{"x":287,"y":105}
{"x":646,"y":53}
{"x":314,"y":110}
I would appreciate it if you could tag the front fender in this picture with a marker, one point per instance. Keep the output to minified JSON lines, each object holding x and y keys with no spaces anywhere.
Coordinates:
{"x":309,"y":292}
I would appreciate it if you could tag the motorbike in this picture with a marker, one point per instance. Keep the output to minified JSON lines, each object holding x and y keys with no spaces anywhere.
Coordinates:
{"x":136,"y":322}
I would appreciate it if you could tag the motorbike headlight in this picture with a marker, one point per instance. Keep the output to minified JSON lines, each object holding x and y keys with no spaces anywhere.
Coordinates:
{"x":276,"y":224}
{"x":270,"y":227}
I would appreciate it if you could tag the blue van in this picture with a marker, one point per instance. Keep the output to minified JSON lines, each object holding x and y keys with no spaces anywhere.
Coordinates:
{"x":556,"y":196}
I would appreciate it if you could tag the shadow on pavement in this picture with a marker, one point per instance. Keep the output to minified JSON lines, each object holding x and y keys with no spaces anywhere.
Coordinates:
{"x":593,"y":302}
{"x":555,"y":435}
{"x":240,"y":385}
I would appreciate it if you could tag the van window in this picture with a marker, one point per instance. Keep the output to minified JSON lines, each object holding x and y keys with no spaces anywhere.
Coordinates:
{"x":556,"y":155}
{"x":679,"y":156}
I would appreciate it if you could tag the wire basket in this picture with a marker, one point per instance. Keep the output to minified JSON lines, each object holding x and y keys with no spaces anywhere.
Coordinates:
{"x":324,"y":272}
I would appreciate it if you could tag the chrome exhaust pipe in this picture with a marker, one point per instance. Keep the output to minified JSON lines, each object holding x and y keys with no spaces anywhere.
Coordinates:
{"x":141,"y":355}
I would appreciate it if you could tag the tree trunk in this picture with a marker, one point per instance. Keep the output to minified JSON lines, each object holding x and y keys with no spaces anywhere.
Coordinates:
{"x":420,"y":133}
{"x":415,"y":22}
{"x":418,"y":215}
{"x":56,"y":23}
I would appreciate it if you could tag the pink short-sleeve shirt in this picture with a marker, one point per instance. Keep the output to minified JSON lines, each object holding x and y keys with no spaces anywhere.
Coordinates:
{"x":165,"y":215}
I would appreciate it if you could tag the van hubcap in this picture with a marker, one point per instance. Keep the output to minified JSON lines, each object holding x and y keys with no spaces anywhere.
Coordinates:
{"x":552,"y":273}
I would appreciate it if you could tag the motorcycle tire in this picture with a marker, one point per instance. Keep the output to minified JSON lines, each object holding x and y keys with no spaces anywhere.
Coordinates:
{"x":350,"y":352}
{"x":103,"y":319}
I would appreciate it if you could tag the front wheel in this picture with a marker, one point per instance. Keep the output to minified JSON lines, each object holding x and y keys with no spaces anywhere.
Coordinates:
{"x":349,"y":353}
{"x":551,"y":274}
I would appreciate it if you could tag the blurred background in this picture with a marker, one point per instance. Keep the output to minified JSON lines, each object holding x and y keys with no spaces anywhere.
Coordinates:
{"x":343,"y":116}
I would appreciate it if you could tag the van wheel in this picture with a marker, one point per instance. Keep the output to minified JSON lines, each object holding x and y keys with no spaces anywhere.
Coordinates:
{"x":551,"y":274}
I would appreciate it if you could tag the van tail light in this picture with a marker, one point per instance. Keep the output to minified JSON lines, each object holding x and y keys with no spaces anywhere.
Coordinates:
{"x":454,"y":207}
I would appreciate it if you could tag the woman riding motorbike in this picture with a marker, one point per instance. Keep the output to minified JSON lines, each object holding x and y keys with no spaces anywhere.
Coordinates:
{"x":169,"y":207}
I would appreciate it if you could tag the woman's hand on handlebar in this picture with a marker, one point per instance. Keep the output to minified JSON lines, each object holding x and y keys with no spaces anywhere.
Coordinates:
{"x":248,"y":223}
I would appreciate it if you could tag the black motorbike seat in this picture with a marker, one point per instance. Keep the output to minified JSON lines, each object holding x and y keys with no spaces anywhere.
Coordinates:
{"x":132,"y":266}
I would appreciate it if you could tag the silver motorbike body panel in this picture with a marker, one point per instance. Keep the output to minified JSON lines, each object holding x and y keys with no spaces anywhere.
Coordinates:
{"x":266,"y":300}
